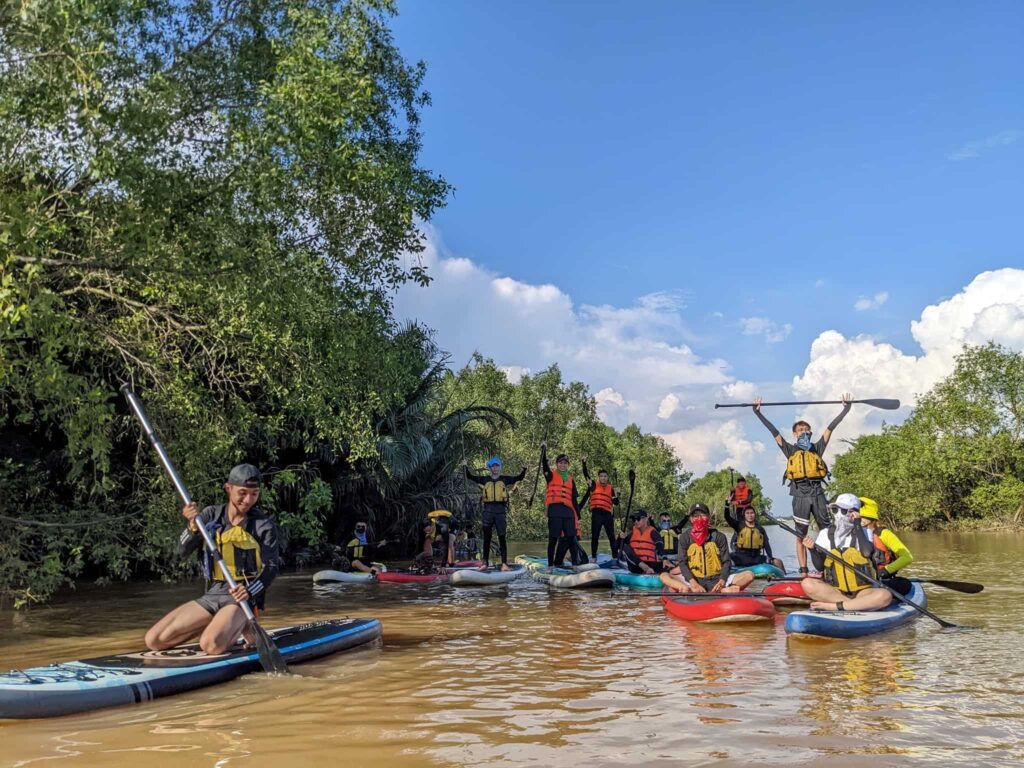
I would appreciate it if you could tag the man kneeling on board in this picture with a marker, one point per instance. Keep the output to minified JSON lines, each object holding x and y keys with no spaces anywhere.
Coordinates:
{"x":360,"y":550}
{"x":704,"y":561}
{"x":642,"y":549}
{"x":856,"y":543}
{"x":248,"y":541}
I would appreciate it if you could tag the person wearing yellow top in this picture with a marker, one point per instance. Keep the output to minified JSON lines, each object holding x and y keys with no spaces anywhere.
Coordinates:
{"x":857,"y":544}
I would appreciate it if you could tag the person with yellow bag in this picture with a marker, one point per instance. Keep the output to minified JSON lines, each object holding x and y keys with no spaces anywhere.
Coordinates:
{"x":805,"y":472}
{"x":857,"y":545}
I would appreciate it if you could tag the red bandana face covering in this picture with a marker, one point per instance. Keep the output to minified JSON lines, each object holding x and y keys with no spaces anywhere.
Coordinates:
{"x":699,"y":530}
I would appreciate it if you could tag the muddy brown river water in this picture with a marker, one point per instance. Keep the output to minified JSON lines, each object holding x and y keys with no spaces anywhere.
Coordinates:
{"x":525,"y":675}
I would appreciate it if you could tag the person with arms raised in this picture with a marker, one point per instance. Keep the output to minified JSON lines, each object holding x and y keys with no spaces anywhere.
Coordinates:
{"x":247,"y":539}
{"x":562,"y":505}
{"x":806,"y":472}
{"x":494,"y":496}
{"x":602,"y":516}
{"x":750,"y":544}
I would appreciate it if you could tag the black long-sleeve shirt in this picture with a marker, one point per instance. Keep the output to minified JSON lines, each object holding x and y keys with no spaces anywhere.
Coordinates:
{"x":257,"y":524}
{"x":508,"y":480}
{"x":559,"y":510}
{"x":630,"y":556}
{"x":735,"y":520}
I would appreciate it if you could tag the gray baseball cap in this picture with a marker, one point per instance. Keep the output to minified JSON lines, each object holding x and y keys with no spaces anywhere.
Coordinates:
{"x":245,"y":474}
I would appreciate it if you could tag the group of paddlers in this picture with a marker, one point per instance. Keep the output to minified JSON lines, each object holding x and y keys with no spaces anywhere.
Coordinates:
{"x":689,"y":558}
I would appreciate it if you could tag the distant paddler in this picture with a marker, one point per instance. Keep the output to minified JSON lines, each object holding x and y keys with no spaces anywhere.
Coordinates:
{"x":669,"y":534}
{"x":806,"y":471}
{"x":704,"y":561}
{"x":602,"y":516}
{"x":494,"y":496}
{"x":438,"y":540}
{"x":856,"y":541}
{"x":247,"y":539}
{"x":360,"y":550}
{"x":562,"y":505}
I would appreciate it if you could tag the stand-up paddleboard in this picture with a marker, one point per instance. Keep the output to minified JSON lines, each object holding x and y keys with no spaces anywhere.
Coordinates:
{"x":471,"y":577}
{"x":761,"y":570}
{"x":845,"y":624}
{"x":79,"y":686}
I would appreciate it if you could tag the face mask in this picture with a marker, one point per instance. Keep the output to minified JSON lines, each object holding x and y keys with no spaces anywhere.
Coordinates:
{"x":699,"y":530}
{"x":361,"y":535}
{"x":804,"y":441}
{"x":664,"y":525}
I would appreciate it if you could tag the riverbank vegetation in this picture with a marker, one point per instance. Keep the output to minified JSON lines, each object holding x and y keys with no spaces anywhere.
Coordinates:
{"x":958,"y":460}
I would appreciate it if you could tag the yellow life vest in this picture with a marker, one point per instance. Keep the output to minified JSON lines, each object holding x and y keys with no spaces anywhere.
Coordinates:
{"x":750,"y":538}
{"x":805,"y":465}
{"x":357,"y":548}
{"x":494,"y":491}
{"x":241,"y":553}
{"x":704,"y":562}
{"x":840,"y":575}
{"x":669,"y":539}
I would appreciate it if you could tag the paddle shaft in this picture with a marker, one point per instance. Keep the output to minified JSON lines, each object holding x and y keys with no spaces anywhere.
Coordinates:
{"x":703,"y":595}
{"x":179,"y":486}
{"x":881,"y":585}
{"x":967,"y":587}
{"x":536,"y":478}
{"x":886,"y":404}
{"x":629,"y":503}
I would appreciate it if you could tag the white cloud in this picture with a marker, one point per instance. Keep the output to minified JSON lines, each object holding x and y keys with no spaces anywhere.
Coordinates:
{"x":744,"y":391}
{"x":669,"y":405}
{"x":973,"y":149}
{"x":701,"y":448}
{"x":773,"y":332}
{"x":873,"y":302}
{"x":637,"y":352}
{"x":990,"y":308}
{"x":514,"y":373}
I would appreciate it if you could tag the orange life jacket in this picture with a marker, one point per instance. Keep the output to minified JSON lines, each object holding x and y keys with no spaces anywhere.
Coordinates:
{"x":741,"y":497}
{"x":643,"y":546}
{"x":601,"y":497}
{"x":881,"y":555}
{"x":559,"y":492}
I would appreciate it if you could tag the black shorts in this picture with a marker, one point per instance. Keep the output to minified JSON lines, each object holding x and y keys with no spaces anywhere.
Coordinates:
{"x":655,"y":566}
{"x":806,"y":508}
{"x":217,"y":596}
{"x":741,"y":559}
{"x":492,"y":518}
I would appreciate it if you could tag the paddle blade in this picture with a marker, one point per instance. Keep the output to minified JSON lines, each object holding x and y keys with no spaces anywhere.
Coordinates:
{"x":885,"y":405}
{"x":966,"y":587}
{"x":270,"y":656}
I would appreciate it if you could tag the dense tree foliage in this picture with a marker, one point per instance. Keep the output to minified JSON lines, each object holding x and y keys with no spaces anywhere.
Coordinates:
{"x":211,"y":200}
{"x":545,"y":407}
{"x":959,"y":459}
{"x":713,"y":489}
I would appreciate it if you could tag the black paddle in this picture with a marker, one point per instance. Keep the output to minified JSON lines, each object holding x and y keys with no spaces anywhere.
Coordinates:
{"x":536,"y":478}
{"x":886,"y":405}
{"x":629,"y":503}
{"x":270,"y":657}
{"x":967,"y":587}
{"x":880,"y":584}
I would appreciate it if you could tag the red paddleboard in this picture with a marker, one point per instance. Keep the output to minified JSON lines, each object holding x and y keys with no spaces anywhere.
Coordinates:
{"x":786,"y":593}
{"x":719,"y":609}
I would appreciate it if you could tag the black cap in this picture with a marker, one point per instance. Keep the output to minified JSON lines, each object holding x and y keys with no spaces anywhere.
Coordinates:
{"x":246,"y":475}
{"x":699,"y":507}
{"x":741,"y":479}
{"x":561,"y":457}
{"x":638,"y":514}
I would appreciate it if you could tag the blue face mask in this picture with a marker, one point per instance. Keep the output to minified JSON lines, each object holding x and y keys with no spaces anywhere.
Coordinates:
{"x":804,"y":442}
{"x":665,"y":525}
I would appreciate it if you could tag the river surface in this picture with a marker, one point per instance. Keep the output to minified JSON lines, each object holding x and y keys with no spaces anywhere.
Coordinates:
{"x":525,"y":675}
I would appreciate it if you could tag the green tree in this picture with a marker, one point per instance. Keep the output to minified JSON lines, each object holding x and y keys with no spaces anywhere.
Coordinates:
{"x":713,"y":489}
{"x":214,"y":201}
{"x":959,"y":458}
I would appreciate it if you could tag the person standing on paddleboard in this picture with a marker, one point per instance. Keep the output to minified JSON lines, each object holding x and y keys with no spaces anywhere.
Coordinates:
{"x":248,"y":541}
{"x":494,"y":496}
{"x":805,"y":471}
{"x":562,"y":504}
{"x":602,"y":518}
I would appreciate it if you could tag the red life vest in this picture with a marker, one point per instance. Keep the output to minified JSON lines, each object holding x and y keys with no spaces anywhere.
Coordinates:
{"x":643,"y":546}
{"x":559,"y":492}
{"x":601,"y":497}
{"x":741,"y":497}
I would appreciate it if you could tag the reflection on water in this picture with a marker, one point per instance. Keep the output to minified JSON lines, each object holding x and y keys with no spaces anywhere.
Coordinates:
{"x":524,"y":675}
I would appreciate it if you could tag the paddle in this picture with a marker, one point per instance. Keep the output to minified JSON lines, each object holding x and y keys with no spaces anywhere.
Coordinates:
{"x":629,"y":503}
{"x":967,"y":587}
{"x":536,"y":478}
{"x":881,"y":585}
{"x":270,"y":657}
{"x":886,"y":405}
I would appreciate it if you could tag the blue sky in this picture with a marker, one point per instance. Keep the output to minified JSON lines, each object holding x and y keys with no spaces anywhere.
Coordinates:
{"x":775,"y":161}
